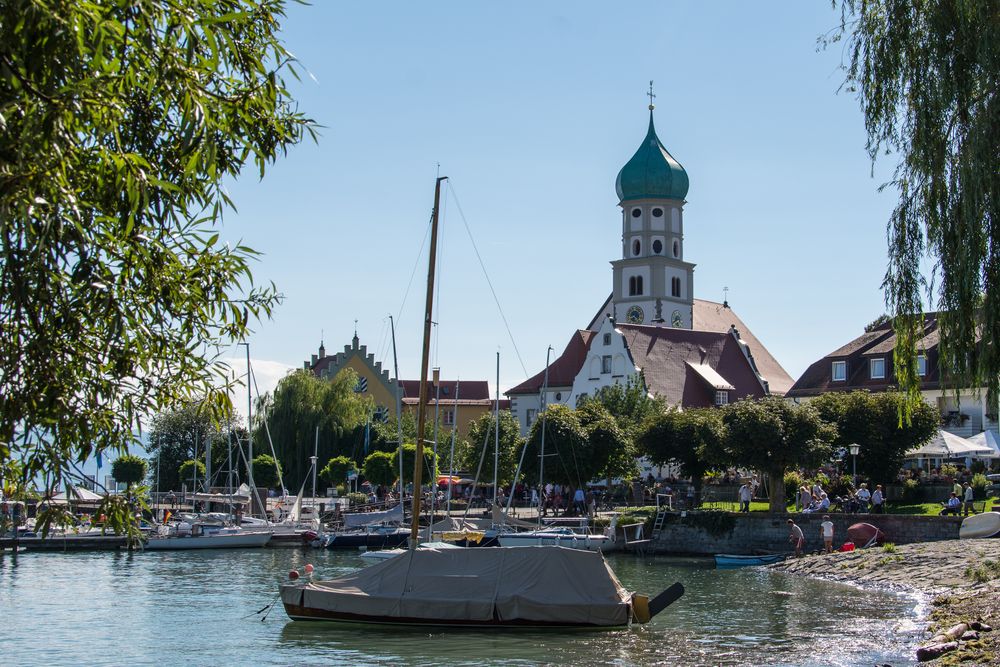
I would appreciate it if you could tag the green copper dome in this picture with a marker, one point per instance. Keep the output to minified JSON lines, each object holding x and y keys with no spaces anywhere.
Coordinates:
{"x":652,"y":172}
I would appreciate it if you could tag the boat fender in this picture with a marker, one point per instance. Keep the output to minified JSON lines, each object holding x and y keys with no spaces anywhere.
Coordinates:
{"x":640,"y":608}
{"x":293,"y":575}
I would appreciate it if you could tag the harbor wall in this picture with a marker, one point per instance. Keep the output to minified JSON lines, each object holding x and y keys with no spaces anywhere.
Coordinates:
{"x":729,"y":532}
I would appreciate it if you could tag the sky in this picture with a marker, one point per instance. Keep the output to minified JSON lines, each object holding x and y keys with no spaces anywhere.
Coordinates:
{"x":531,"y":109}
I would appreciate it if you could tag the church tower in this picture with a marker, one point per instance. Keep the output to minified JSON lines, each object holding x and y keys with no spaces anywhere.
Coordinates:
{"x":652,"y":282}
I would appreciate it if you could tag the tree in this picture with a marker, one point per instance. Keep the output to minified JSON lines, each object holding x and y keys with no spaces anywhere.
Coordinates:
{"x":872,"y":421}
{"x":129,"y":469}
{"x":773,"y":435}
{"x":303,"y":403}
{"x":612,"y":450}
{"x":336,"y":469}
{"x":190,"y":471}
{"x":480,"y":445}
{"x":121,"y":123}
{"x":183,"y":433}
{"x":378,"y":469}
{"x":409,"y":456}
{"x":630,"y":404}
{"x":927,"y":76}
{"x":684,"y":437}
{"x":266,"y":471}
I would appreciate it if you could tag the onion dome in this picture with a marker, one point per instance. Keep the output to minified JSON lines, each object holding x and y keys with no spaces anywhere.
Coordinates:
{"x":652,"y":173}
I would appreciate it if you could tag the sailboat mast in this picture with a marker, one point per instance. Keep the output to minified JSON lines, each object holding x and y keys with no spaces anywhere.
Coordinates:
{"x":451,"y":455}
{"x":496,"y":436}
{"x":399,"y":407}
{"x":541,"y":458}
{"x":418,"y":464}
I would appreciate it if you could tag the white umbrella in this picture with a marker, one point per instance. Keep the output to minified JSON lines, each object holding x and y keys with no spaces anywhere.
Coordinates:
{"x":987,"y":439}
{"x":949,"y":446}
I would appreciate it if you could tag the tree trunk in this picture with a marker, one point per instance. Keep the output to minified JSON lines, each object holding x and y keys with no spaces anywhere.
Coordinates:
{"x":776,"y":493}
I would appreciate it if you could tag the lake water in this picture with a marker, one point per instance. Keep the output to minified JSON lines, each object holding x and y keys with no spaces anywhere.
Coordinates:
{"x":197,"y":608}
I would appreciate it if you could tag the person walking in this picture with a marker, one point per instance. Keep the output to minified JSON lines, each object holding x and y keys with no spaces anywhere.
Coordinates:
{"x":796,"y":537}
{"x":878,"y":500}
{"x":968,"y":499}
{"x":745,"y":494}
{"x":826,"y":532}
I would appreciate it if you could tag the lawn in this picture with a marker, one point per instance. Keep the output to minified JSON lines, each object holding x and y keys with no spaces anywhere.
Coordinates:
{"x":924,"y":509}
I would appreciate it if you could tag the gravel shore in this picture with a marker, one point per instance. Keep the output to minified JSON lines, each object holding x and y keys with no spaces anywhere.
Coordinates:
{"x":960,"y":577}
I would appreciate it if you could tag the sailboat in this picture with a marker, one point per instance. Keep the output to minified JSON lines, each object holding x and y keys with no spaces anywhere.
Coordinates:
{"x":535,"y":586}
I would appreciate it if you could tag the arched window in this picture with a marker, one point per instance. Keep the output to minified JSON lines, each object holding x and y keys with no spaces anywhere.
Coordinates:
{"x":638,"y":285}
{"x":675,"y":286}
{"x":636,"y":247}
{"x":677,"y":248}
{"x":635,"y":286}
{"x":631,"y":286}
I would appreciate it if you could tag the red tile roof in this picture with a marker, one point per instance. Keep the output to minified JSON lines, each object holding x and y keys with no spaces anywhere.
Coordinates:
{"x":473,"y":390}
{"x":563,"y":370}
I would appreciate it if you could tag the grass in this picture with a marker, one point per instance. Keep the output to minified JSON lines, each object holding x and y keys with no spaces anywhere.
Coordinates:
{"x":987,"y":571}
{"x":889,"y":548}
{"x":916,"y":509}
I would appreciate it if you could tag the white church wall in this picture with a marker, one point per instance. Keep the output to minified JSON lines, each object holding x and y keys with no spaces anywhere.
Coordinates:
{"x":607,"y":343}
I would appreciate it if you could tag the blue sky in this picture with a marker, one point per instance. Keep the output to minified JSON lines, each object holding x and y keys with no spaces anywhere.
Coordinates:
{"x":531,"y":109}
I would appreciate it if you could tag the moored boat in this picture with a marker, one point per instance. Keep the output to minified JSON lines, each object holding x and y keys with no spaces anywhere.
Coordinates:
{"x":865,"y":534}
{"x":986,"y":524}
{"x":557,"y":536}
{"x":733,"y":560}
{"x":198,"y":536}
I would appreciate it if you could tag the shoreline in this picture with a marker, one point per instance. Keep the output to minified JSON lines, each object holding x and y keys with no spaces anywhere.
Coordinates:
{"x":945,"y":573}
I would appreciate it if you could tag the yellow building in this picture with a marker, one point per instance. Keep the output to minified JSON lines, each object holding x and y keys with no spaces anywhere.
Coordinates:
{"x":460,"y":402}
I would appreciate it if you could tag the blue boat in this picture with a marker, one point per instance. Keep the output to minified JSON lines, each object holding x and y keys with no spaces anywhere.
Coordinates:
{"x":731,"y":560}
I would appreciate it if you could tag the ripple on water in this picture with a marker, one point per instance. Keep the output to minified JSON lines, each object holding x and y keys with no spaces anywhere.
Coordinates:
{"x":197,"y":608}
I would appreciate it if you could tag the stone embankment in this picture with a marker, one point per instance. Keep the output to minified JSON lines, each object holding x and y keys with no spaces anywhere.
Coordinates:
{"x":962,"y":578}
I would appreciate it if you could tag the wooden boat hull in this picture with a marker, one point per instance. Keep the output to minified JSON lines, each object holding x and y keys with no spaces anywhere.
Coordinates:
{"x":865,"y":534}
{"x":732,"y":560}
{"x":982,"y":525}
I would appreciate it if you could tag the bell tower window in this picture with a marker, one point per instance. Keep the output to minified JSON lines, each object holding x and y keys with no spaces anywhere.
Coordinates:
{"x":675,"y":286}
{"x":657,"y":247}
{"x":635,"y":286}
{"x":636,"y":248}
{"x":677,"y":248}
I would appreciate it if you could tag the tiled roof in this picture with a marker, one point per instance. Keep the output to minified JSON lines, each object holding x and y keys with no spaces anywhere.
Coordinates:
{"x":473,"y":390}
{"x":563,"y":370}
{"x":670,"y":359}
{"x":504,"y":403}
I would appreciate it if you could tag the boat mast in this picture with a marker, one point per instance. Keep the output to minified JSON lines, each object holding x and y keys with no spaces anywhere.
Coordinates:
{"x":541,"y":458}
{"x":315,"y":460}
{"x":399,"y":407}
{"x":418,"y":464}
{"x":496,"y":437}
{"x":451,"y":455}
{"x":437,"y":415}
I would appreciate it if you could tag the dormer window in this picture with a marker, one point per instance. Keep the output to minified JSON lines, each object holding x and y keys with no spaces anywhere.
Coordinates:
{"x":921,"y":365}
{"x":876,"y":368}
{"x":607,"y":339}
{"x":839,"y":371}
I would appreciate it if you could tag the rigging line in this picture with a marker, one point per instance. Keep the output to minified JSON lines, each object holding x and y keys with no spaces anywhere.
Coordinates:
{"x":489,"y":282}
{"x":437,"y":297}
{"x":416,"y":265}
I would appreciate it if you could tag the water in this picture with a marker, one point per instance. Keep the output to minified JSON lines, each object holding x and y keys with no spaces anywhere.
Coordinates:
{"x":197,"y":608}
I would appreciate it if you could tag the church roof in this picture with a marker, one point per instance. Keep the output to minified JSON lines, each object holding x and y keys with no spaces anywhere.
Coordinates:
{"x":686,"y":367}
{"x":652,"y":172}
{"x":563,"y":370}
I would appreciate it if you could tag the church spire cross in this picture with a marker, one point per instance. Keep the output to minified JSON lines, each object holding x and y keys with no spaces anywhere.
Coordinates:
{"x":651,"y":96}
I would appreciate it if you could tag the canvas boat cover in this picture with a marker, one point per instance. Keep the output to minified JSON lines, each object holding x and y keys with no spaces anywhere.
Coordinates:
{"x":395,"y":515}
{"x":548,"y":585}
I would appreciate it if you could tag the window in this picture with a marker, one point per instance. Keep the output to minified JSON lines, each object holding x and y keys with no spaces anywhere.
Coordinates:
{"x":529,"y":417}
{"x":657,"y":246}
{"x":636,"y":212}
{"x":449,"y":418}
{"x":362,"y":385}
{"x":558,"y":395}
{"x":839,"y":371}
{"x":677,"y":249}
{"x":876,"y":368}
{"x":607,"y":339}
{"x":636,"y":247}
{"x":721,"y":397}
{"x":381,"y":414}
{"x":657,"y":212}
{"x":921,"y":365}
{"x":635,"y":286}
{"x":675,"y":286}
{"x":606,"y":363}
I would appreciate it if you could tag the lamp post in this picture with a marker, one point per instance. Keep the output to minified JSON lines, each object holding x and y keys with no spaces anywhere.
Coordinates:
{"x":854,"y":448}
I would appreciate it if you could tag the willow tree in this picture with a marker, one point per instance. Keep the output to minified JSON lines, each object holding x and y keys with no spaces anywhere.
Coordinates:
{"x":927,"y":75}
{"x":120,"y":123}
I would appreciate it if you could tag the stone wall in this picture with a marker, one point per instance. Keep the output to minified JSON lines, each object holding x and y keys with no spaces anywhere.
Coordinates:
{"x":727,"y":532}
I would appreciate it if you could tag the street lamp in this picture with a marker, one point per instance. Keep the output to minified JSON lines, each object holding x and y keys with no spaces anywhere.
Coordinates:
{"x":854,"y":449}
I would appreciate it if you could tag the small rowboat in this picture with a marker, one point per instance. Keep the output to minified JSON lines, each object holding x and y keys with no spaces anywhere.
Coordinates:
{"x":865,"y":534}
{"x":731,"y":560}
{"x":986,"y":524}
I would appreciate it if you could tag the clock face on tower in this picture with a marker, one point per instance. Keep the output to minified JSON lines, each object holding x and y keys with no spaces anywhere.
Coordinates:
{"x":634,"y":315}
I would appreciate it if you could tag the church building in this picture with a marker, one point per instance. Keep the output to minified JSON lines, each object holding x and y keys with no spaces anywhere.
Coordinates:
{"x":651,"y":328}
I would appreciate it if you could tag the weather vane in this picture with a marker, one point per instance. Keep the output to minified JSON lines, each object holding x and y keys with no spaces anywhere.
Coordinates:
{"x":651,"y":95}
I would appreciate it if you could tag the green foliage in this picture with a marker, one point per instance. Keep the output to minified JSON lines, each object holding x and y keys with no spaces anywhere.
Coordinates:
{"x":129,"y":469}
{"x":356,"y":498}
{"x":121,"y":122}
{"x":265,"y":471}
{"x":482,"y":433}
{"x":300,"y":404}
{"x":685,"y":437}
{"x":774,"y":435}
{"x":949,"y":470}
{"x":186,"y":472}
{"x":979,"y":484}
{"x":793,"y":482}
{"x":927,"y":76}
{"x":910,"y":490}
{"x":985,"y":571}
{"x":429,"y":472}
{"x":336,"y":469}
{"x":889,"y":548}
{"x":378,"y":469}
{"x":630,"y":404}
{"x":872,"y":421}
{"x":182,"y":433}
{"x":612,"y":449}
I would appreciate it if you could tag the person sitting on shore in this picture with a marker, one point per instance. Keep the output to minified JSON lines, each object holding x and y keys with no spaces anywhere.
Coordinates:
{"x":805,"y":498}
{"x":822,"y":504}
{"x":953,"y":505}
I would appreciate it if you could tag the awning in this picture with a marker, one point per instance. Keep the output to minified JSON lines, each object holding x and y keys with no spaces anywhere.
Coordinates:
{"x":709,"y":375}
{"x":987,"y":439}
{"x":949,"y":446}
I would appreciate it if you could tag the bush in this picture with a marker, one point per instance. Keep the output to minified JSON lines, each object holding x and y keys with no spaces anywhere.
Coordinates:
{"x":356,"y":498}
{"x":821,"y":479}
{"x":949,"y":470}
{"x":979,"y":484}
{"x":978,"y":467}
{"x":910,"y":490}
{"x":793,"y":480}
{"x":842,"y":486}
